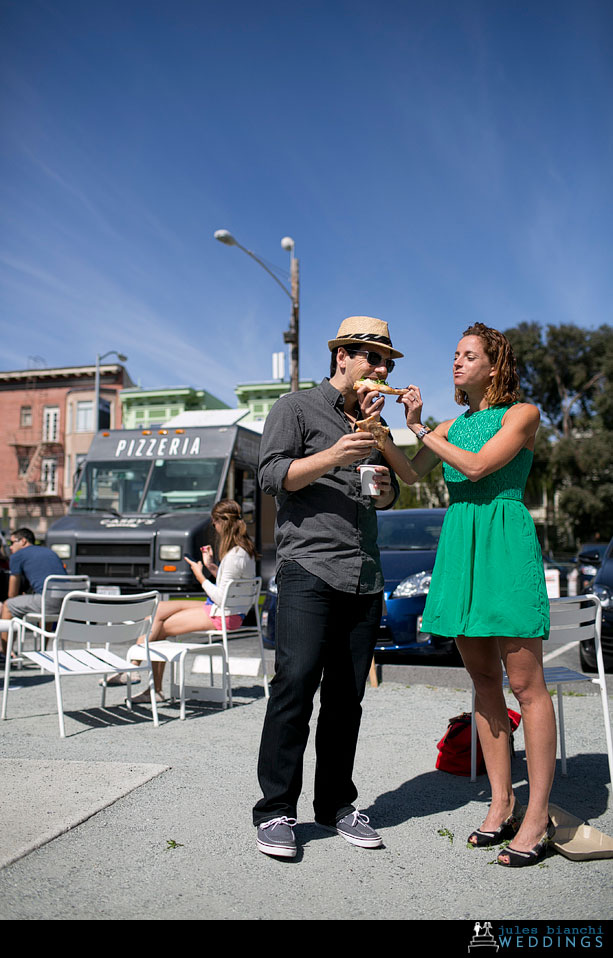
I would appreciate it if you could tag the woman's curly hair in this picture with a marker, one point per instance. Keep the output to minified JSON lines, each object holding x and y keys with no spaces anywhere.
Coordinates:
{"x":504,"y":388}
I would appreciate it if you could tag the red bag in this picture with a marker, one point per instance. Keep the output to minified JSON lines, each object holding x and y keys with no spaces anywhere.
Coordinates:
{"x":454,"y":747}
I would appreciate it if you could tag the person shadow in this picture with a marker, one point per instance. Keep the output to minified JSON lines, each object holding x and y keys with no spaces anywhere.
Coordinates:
{"x":436,"y":791}
{"x":426,"y":794}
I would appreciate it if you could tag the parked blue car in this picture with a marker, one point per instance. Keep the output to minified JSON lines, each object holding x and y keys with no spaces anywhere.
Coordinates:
{"x":408,"y":539}
{"x":588,"y":563}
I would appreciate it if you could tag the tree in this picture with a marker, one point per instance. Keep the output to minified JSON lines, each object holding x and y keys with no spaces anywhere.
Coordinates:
{"x":567,"y":372}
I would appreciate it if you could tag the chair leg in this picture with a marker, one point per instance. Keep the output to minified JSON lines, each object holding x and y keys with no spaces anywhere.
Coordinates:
{"x":20,"y":640}
{"x":154,"y":706}
{"x":173,"y":681}
{"x":264,"y":675}
{"x":473,"y":740}
{"x":604,"y":698}
{"x":562,"y":730}
{"x":607,"y":729}
{"x":228,"y":680}
{"x":5,"y":690}
{"x":181,"y":664}
{"x":7,"y":670}
{"x":225,"y":668}
{"x":60,"y":706}
{"x":602,"y":682}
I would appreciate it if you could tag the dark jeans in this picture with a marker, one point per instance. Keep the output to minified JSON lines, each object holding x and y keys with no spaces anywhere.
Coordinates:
{"x":320,"y":631}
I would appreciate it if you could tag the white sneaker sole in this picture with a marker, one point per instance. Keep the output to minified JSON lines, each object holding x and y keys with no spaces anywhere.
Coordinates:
{"x":277,"y":851}
{"x":376,"y":842}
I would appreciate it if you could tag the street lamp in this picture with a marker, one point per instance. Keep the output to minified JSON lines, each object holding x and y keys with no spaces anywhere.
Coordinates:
{"x":99,"y":358}
{"x":291,"y":336}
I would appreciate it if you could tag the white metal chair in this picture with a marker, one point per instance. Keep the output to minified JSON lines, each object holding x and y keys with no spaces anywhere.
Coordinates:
{"x":7,"y":628}
{"x":238,"y":594}
{"x":93,"y":622}
{"x":55,"y":588}
{"x":573,"y":619}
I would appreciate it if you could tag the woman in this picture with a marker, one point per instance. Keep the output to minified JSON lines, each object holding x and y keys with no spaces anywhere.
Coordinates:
{"x":488,"y":587}
{"x":237,"y":561}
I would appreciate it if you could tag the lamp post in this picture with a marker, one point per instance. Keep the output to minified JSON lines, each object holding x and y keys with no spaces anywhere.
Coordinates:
{"x":290,"y":336}
{"x":99,"y":358}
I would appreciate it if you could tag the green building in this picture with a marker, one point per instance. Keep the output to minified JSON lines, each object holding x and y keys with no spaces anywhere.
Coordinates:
{"x":142,"y":408}
{"x":259,"y":398}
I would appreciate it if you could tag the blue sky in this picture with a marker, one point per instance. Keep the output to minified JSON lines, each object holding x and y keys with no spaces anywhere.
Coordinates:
{"x":437,"y":163}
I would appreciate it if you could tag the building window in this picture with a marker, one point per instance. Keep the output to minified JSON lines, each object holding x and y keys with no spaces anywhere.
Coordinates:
{"x":22,"y":464}
{"x":51,"y":423}
{"x":48,"y":476}
{"x":25,"y":417}
{"x":85,"y":416}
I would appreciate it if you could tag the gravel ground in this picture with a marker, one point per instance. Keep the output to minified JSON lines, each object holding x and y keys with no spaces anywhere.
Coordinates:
{"x":118,"y":863}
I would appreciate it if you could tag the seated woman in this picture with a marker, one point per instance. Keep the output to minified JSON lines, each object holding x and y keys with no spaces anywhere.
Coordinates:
{"x":237,"y":561}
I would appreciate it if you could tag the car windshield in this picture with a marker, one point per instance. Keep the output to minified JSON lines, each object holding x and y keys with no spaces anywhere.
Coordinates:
{"x":409,"y":531}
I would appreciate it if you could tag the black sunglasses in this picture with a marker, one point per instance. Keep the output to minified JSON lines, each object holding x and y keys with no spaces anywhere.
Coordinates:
{"x":373,"y":359}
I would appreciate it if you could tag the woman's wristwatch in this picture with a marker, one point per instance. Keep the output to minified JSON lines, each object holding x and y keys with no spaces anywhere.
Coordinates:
{"x":422,"y":432}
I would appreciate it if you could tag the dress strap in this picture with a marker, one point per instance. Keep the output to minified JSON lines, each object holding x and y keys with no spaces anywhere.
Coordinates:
{"x":497,"y":413}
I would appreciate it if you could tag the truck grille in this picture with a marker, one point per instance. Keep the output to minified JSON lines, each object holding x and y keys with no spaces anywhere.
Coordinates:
{"x":113,"y":560}
{"x":102,"y":549}
{"x":112,"y":570}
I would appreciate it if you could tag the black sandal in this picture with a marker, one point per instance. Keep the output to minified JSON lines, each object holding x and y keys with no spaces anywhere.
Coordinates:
{"x":506,"y":831}
{"x":519,"y":859}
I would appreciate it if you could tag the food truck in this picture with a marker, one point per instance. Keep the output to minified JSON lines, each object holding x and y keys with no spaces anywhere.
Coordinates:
{"x":143,"y":501}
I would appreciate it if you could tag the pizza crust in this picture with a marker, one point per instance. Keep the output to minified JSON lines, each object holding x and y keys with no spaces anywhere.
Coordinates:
{"x":375,"y":428}
{"x":380,"y":387}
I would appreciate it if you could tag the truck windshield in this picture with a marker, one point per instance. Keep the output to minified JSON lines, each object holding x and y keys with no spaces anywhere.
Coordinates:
{"x":182,"y":484}
{"x":158,"y":485}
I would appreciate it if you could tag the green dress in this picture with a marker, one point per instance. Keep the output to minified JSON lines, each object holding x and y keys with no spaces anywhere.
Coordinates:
{"x":488,"y":578}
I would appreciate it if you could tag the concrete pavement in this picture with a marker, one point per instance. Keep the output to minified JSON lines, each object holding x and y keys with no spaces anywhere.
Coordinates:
{"x":155,"y":823}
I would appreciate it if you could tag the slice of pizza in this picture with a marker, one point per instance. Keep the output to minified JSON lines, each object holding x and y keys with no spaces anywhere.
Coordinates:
{"x":374,"y":426}
{"x":379,"y":385}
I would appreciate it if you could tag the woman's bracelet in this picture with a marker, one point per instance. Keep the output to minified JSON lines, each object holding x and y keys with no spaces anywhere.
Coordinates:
{"x":422,"y":432}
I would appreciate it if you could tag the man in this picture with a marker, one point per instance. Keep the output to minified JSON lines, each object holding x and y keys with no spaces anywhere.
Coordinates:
{"x":33,"y":563}
{"x":330,"y":587}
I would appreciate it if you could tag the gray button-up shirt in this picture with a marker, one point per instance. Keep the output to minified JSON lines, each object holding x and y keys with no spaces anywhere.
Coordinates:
{"x":328,"y":527}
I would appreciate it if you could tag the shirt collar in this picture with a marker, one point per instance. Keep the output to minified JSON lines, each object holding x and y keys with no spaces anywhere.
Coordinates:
{"x":331,"y":393}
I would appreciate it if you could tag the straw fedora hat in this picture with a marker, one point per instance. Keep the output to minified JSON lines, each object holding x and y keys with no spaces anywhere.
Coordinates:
{"x":358,"y":331}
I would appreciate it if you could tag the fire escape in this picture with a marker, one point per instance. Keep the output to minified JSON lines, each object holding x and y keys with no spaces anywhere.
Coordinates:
{"x":31,"y":483}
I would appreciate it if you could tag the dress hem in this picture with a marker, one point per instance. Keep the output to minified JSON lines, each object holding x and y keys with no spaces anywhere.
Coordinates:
{"x":482,"y":635}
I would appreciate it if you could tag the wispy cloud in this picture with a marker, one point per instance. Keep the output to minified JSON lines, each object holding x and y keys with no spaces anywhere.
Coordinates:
{"x":70,"y":187}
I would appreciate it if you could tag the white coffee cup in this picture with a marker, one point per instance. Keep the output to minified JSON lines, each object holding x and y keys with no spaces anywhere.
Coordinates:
{"x":367,"y":476}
